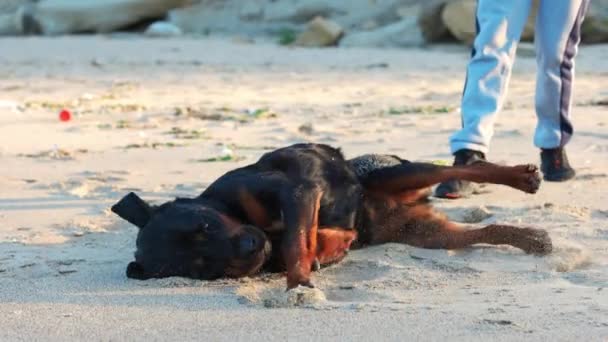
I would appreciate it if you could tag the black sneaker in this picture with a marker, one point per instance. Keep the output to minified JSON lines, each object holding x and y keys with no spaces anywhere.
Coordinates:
{"x":453,"y":188}
{"x":555,"y":166}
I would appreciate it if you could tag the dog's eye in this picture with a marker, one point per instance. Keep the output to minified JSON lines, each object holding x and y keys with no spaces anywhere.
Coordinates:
{"x":206,"y":228}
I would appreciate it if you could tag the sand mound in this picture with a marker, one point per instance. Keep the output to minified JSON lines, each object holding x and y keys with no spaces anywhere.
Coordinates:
{"x":274,"y":295}
{"x":568,"y":256}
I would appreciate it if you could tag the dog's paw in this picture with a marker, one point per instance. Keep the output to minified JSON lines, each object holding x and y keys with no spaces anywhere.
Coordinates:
{"x":526,"y":178}
{"x":299,"y":277}
{"x":305,"y":283}
{"x":537,"y":241}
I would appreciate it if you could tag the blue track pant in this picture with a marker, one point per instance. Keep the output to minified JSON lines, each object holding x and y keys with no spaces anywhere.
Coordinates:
{"x":500,"y":24}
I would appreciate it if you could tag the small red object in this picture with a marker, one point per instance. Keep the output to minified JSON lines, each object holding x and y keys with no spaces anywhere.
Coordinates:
{"x":65,"y":115}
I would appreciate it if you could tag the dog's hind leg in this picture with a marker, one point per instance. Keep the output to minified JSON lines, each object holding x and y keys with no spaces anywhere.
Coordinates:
{"x":413,"y":176}
{"x":449,"y":236}
{"x":420,"y":226}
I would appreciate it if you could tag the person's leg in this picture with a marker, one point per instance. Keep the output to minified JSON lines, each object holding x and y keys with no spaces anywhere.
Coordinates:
{"x":499,"y":24}
{"x":558,"y":27}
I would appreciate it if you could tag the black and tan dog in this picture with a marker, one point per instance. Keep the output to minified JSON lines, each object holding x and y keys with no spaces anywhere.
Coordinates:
{"x":304,"y":205}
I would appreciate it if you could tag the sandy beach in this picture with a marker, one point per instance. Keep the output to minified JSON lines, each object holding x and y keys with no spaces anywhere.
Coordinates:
{"x":165,"y":117}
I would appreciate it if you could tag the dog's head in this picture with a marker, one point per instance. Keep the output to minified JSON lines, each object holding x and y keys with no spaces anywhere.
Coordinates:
{"x":187,"y":238}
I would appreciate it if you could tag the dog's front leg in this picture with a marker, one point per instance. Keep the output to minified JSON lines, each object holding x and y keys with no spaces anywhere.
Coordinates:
{"x":333,"y":243}
{"x":415,"y":176}
{"x":300,"y":209}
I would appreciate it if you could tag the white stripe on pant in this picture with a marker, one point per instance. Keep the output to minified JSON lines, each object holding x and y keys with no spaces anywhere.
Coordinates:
{"x":500,"y":24}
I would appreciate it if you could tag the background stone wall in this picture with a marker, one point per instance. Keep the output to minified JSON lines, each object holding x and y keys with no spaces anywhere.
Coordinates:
{"x":377,"y":23}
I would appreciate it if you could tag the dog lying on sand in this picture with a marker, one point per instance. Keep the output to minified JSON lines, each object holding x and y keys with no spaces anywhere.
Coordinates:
{"x":303,"y":206}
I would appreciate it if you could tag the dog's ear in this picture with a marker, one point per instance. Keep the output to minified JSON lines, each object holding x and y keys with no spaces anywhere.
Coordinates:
{"x":133,"y":209}
{"x":136,"y":271}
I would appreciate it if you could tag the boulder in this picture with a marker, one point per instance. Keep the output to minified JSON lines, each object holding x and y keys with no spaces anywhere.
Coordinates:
{"x":251,"y":10}
{"x":11,"y":6}
{"x":459,"y":18}
{"x":202,"y":18}
{"x":402,"y":33}
{"x":595,"y":30}
{"x":595,"y":26}
{"x":8,"y":16}
{"x":430,"y":22}
{"x":443,"y":20}
{"x":320,"y":32}
{"x":374,"y":17}
{"x":163,"y":29}
{"x":8,"y":24}
{"x":528,"y":34}
{"x":300,"y":12}
{"x":54,"y":17}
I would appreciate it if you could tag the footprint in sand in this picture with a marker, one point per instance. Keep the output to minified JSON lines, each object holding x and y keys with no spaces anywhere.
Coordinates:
{"x":55,"y":154}
{"x":86,"y":185}
{"x":509,"y":133}
{"x":358,"y":293}
{"x":80,"y":227}
{"x":171,"y":282}
{"x":602,"y":214}
{"x":554,"y":213}
{"x":355,"y":270}
{"x":591,"y":176}
{"x":65,"y":267}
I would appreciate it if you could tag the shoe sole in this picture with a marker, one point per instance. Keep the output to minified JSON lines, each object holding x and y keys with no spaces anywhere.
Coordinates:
{"x":560,"y":177}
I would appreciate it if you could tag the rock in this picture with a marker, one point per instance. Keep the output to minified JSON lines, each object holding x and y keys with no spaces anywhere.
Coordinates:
{"x":430,"y":22}
{"x":377,"y":16}
{"x":196,"y":18}
{"x":444,"y":20}
{"x":163,"y":29}
{"x":251,"y":10}
{"x":8,"y":24}
{"x":25,"y":21}
{"x":459,"y":18}
{"x":595,"y":26}
{"x":595,"y":30}
{"x":218,"y":16}
{"x":9,"y":20}
{"x":320,"y":32}
{"x":369,"y":25}
{"x":476,"y":215}
{"x":55,"y":17}
{"x":301,"y":12}
{"x":11,"y":6}
{"x":400,"y":34}
{"x":528,"y":34}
